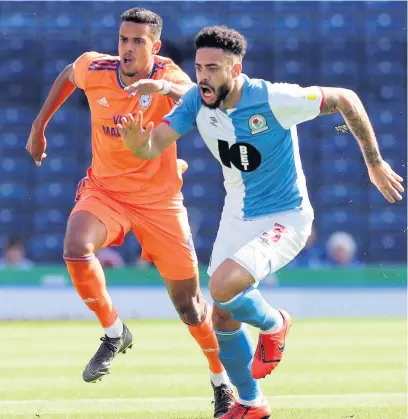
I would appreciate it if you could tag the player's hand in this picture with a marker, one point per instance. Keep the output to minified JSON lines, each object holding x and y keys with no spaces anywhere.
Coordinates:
{"x":144,"y":87}
{"x":37,"y":144}
{"x":386,"y":181}
{"x":132,"y":132}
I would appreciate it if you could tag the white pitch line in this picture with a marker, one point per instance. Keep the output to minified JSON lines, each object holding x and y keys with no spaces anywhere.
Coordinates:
{"x":196,"y":403}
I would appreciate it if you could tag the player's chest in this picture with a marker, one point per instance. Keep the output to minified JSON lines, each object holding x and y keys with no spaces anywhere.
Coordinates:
{"x":108,"y":106}
{"x":238,"y":126}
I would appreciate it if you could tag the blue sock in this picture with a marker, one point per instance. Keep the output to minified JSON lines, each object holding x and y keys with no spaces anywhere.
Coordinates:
{"x":236,"y":353}
{"x":250,"y":307}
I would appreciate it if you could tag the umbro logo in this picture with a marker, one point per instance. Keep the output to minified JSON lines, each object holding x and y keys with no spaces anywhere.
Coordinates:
{"x":281,"y":348}
{"x":103,"y":102}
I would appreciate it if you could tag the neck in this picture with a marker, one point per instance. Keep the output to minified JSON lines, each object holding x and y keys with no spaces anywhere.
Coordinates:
{"x":234,"y":95}
{"x":143,"y":73}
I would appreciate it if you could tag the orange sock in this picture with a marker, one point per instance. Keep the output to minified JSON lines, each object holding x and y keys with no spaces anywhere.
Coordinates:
{"x":204,"y":335}
{"x":89,"y":281}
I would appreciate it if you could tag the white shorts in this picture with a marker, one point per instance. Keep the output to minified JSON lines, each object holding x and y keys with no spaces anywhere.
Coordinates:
{"x":262,"y":245}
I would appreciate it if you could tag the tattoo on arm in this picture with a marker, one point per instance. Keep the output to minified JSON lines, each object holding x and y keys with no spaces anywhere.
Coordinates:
{"x":350,"y":106}
{"x":330,"y":105}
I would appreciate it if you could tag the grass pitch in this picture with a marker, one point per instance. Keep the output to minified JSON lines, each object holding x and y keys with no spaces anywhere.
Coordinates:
{"x":332,"y":369}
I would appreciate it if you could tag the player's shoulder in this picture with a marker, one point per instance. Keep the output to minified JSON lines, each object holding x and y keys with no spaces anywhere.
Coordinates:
{"x":96,"y":60}
{"x":166,"y":68}
{"x":281,"y":88}
{"x":255,"y":90}
{"x":190,"y":102}
{"x":165,"y":64}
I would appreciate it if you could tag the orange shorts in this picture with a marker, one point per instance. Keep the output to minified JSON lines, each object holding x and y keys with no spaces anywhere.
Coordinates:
{"x":162,"y":229}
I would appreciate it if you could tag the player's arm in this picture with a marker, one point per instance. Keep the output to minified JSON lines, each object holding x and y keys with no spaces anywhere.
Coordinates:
{"x":60,"y":91}
{"x":148,"y":143}
{"x":147,"y":86}
{"x":350,"y":106}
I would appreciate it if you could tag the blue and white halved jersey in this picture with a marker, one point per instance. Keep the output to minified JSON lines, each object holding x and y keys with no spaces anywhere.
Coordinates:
{"x":256,"y":143}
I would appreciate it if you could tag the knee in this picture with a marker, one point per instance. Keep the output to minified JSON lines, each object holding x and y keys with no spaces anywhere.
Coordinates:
{"x":222,"y":287}
{"x":77,"y":246}
{"x":188,"y":306}
{"x":222,"y":320}
{"x":217,"y":288}
{"x":229,"y":280}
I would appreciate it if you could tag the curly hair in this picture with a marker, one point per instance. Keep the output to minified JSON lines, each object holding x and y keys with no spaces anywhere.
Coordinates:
{"x":223,"y":38}
{"x":140,"y":15}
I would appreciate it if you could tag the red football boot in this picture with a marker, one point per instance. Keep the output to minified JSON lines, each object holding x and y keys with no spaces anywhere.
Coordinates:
{"x":270,"y":349}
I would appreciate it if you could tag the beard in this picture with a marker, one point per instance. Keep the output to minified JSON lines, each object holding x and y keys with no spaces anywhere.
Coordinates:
{"x":132,"y":74}
{"x":221,"y":94}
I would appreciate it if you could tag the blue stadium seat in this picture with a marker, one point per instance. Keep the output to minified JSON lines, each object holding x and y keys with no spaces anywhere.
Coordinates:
{"x":51,"y":220}
{"x":387,"y":246}
{"x":340,"y":219}
{"x":16,"y":169}
{"x":14,"y":193}
{"x":16,"y":69}
{"x":63,"y":48}
{"x":54,"y":66}
{"x":385,"y":67}
{"x":17,"y":115}
{"x":13,"y":139}
{"x":16,"y":46}
{"x":13,"y":221}
{"x":338,"y":19}
{"x":386,"y":47}
{"x":191,"y":24}
{"x":393,"y":219}
{"x":58,"y":168}
{"x":19,"y":22}
{"x":341,"y":194}
{"x":46,"y":247}
{"x":389,"y":18}
{"x":61,"y":194}
{"x":104,"y":43}
{"x":23,"y":92}
{"x":342,"y":169}
{"x":66,"y":120}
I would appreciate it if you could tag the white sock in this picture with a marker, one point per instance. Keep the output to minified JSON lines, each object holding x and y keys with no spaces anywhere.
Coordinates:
{"x":278,"y":324}
{"x":257,"y":402}
{"x":116,"y":330}
{"x":218,"y":379}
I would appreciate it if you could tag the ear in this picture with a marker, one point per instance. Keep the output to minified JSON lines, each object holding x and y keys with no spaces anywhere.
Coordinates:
{"x":156,"y":47}
{"x":236,"y":69}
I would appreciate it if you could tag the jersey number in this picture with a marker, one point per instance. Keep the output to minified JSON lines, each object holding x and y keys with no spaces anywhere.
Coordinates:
{"x":245,"y":157}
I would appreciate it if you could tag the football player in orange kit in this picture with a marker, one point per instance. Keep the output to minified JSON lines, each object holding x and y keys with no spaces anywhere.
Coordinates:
{"x":122,"y":192}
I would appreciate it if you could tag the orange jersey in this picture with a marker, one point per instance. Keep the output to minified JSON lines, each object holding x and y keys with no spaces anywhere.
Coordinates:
{"x":115,"y":169}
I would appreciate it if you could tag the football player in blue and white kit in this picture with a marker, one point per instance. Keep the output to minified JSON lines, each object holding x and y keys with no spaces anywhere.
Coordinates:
{"x":249,"y":125}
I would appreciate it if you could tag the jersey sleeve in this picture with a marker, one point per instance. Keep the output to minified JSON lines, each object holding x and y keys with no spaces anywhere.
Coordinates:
{"x":292,"y":104}
{"x":81,"y":66}
{"x":182,"y":117}
{"x":178,"y":77}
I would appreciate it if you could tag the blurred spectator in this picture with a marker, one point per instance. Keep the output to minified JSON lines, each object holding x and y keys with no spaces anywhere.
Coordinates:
{"x":110,"y":258}
{"x":14,"y":256}
{"x":341,"y":250}
{"x":312,"y":255}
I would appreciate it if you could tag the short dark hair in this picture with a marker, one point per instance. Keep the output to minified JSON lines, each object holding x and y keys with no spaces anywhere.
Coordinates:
{"x":222,"y":37}
{"x":13,"y":242}
{"x":140,"y":15}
